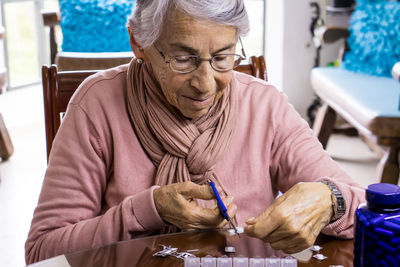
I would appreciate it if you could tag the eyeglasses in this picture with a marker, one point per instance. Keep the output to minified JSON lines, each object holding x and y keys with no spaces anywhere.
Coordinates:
{"x":188,"y":63}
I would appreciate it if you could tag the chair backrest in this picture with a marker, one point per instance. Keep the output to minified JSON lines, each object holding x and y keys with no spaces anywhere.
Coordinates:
{"x":79,"y":60}
{"x":59,"y":86}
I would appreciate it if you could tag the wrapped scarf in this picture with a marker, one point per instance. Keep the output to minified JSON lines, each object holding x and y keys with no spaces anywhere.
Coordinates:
{"x":180,"y":148}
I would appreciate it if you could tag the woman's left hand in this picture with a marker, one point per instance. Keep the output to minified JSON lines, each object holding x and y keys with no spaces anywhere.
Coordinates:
{"x":294,"y":220}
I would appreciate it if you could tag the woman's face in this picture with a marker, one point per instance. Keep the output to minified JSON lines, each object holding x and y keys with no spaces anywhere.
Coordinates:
{"x":193,"y":93}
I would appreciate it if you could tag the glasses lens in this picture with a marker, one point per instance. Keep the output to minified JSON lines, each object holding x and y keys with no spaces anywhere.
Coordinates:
{"x":184,"y":63}
{"x":225,"y":62}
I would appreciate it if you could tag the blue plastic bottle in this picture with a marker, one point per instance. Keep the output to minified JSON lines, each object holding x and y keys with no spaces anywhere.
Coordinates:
{"x":377,"y":227}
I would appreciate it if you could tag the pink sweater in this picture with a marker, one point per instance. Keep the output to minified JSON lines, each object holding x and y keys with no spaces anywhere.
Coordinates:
{"x":99,"y":181}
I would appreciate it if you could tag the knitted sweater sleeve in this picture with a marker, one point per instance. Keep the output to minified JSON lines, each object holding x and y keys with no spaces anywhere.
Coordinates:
{"x":70,"y":215}
{"x":299,"y":157}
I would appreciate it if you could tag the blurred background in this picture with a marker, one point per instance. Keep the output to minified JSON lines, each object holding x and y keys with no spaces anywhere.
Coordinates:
{"x":282,"y":31}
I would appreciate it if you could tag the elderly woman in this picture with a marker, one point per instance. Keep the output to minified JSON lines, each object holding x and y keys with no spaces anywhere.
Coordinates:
{"x":139,"y":143}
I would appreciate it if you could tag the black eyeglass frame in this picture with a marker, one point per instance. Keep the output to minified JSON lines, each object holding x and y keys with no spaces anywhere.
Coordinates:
{"x":199,"y":60}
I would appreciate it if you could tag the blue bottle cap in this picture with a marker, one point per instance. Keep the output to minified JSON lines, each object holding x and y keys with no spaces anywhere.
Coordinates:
{"x":383,"y":194}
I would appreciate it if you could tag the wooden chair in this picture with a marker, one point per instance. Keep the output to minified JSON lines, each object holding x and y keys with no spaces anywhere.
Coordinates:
{"x":369,"y":104}
{"x":58,"y":87}
{"x":79,"y":60}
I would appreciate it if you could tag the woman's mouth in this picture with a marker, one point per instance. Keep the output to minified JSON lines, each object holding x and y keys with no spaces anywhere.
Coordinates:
{"x":199,"y":102}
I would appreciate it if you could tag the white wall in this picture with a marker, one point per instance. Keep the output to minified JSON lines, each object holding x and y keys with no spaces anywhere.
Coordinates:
{"x":289,"y":50}
{"x":253,"y":43}
{"x":2,"y":56}
{"x":274,"y":41}
{"x":2,"y":63}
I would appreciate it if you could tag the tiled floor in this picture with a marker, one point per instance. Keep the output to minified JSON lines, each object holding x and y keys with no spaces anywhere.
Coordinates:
{"x":22,"y":175}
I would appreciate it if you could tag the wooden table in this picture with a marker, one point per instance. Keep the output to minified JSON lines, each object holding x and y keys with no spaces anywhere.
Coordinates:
{"x":139,"y":252}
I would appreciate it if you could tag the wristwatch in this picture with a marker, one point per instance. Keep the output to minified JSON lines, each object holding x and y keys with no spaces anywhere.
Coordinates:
{"x":337,"y":198}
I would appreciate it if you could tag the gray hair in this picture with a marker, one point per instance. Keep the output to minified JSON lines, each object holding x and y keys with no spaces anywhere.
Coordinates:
{"x":147,"y":19}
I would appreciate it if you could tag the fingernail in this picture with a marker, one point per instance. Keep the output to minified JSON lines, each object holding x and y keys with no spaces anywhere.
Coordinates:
{"x":230,"y":200}
{"x":250,"y":220}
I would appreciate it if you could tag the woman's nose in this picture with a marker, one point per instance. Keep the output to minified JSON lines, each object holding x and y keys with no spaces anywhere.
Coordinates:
{"x":204,"y":78}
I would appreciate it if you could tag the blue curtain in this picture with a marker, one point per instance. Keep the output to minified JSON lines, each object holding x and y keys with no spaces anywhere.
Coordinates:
{"x":95,"y":25}
{"x":374,"y":39}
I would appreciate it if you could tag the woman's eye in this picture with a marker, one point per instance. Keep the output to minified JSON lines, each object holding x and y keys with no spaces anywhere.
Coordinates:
{"x":183,"y":59}
{"x":221,"y":57}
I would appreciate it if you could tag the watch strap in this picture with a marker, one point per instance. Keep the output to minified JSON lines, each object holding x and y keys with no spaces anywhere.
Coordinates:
{"x":338,"y":202}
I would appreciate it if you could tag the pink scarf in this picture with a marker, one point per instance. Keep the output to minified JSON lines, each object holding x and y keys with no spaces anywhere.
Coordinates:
{"x":181,"y":149}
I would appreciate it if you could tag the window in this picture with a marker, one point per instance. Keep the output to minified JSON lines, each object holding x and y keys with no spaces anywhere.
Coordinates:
{"x":254,"y":41}
{"x":25,"y":47}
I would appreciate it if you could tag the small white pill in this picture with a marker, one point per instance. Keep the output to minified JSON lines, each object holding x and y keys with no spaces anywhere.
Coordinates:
{"x":320,"y":257}
{"x":230,"y":249}
{"x":316,"y":248}
{"x":239,"y":229}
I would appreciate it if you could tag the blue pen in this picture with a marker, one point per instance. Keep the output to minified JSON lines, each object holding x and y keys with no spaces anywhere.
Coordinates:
{"x":222,"y":207}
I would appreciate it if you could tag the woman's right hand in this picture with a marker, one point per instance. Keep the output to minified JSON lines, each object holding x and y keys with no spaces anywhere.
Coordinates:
{"x":176,"y":204}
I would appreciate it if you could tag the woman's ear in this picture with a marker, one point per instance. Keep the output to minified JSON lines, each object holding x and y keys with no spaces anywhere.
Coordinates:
{"x":134,"y":46}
